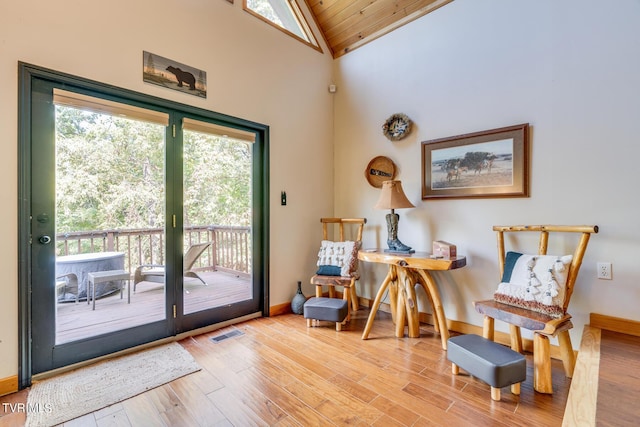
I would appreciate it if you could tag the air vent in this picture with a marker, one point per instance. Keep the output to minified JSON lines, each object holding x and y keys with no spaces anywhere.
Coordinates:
{"x":234,"y":333}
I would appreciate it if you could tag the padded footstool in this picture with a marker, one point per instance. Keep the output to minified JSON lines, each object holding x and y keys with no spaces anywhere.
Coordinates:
{"x":493,"y":363}
{"x":330,"y":309}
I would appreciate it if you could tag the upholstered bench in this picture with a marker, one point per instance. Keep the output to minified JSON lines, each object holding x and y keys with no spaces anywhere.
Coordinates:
{"x":329,"y":309}
{"x":493,"y":363}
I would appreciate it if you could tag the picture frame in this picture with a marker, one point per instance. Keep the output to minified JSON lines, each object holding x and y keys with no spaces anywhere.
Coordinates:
{"x":170,"y":74}
{"x":490,"y":163}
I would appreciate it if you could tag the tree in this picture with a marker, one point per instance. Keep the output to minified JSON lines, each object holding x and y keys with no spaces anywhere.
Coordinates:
{"x":110,"y":174}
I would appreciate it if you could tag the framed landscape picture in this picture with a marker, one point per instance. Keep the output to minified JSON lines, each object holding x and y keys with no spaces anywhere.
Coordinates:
{"x":492,"y":163}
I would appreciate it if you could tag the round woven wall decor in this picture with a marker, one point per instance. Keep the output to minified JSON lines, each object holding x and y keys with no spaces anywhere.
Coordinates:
{"x":380,"y":169}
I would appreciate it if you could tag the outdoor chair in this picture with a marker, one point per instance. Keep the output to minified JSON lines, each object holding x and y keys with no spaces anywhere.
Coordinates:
{"x":534,"y":294}
{"x":156,"y":272}
{"x":67,"y":284}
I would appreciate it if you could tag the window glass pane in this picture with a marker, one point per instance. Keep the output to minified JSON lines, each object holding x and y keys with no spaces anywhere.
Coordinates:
{"x":110,"y":216}
{"x":217,"y":217}
{"x":285,"y":14}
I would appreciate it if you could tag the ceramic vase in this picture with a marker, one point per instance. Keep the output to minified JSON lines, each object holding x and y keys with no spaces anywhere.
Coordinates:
{"x":298,"y":300}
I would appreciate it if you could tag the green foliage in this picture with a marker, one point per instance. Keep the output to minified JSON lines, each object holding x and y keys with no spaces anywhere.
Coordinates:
{"x":217,"y":180}
{"x":110,"y":175}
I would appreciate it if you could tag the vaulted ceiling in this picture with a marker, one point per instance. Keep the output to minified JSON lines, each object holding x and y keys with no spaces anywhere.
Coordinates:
{"x":349,"y":24}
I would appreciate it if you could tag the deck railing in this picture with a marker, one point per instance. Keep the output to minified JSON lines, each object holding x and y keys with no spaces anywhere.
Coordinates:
{"x":230,"y":248}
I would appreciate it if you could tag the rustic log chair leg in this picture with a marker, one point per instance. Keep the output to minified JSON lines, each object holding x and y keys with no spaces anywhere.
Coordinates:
{"x":516,"y":338}
{"x":567,"y":354}
{"x":487,"y":328}
{"x":542,"y":364}
{"x":346,"y":295}
{"x":318,"y":291}
{"x":355,"y":304}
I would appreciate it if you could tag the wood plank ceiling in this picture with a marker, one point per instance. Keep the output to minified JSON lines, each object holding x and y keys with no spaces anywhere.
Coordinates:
{"x":349,"y":24}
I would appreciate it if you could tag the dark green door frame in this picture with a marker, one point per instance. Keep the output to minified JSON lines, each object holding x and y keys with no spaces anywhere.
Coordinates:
{"x":30,"y":229}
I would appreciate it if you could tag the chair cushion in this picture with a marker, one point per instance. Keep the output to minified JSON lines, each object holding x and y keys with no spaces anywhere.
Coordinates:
{"x":329,"y":270}
{"x":535,"y":282}
{"x":338,"y":254}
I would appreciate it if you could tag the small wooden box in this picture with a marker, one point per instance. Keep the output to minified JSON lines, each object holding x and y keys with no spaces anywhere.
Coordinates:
{"x":444,"y":249}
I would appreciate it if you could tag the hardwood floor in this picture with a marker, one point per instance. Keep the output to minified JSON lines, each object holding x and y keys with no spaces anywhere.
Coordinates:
{"x":278,"y":372}
{"x":619,"y":382}
{"x":77,"y":321}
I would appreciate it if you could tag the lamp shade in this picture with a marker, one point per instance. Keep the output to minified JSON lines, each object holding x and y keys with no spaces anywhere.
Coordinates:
{"x":392,"y":196}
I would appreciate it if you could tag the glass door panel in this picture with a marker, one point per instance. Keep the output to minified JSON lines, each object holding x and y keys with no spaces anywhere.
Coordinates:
{"x":109,"y":217}
{"x":217,"y":215}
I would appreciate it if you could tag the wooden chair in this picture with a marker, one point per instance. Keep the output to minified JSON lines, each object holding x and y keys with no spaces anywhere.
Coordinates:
{"x":348,"y":283}
{"x":544,"y":326}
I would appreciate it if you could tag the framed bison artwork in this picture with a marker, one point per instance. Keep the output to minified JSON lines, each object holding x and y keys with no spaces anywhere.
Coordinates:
{"x":492,"y":163}
{"x":171,"y":74}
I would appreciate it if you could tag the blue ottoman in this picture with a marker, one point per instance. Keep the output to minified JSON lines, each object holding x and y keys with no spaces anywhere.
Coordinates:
{"x":493,"y":363}
{"x":329,"y":309}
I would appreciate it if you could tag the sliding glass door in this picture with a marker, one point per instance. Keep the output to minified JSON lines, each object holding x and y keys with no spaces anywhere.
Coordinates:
{"x":145,"y":219}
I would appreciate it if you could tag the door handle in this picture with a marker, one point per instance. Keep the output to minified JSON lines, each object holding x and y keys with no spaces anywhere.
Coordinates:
{"x":45,"y":240}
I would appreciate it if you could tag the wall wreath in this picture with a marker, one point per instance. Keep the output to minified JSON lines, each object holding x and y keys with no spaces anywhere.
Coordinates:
{"x":397,"y":127}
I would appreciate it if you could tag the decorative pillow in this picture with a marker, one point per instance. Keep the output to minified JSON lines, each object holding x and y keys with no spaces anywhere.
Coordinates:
{"x":343,"y":255}
{"x":535,"y":282}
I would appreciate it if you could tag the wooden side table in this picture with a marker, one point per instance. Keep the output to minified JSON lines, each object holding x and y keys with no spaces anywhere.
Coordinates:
{"x":405,"y":271}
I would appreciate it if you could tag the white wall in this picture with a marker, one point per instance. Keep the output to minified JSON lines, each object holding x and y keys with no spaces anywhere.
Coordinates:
{"x":569,"y":69}
{"x":254,"y":72}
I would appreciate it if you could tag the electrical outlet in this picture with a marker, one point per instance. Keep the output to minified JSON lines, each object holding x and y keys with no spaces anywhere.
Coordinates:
{"x":604,"y":270}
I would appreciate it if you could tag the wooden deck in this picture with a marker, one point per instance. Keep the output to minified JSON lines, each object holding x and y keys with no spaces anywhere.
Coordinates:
{"x":77,"y":321}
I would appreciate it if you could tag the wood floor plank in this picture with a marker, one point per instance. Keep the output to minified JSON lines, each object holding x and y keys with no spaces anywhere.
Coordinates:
{"x":215,"y":358}
{"x":238,"y":415}
{"x":356,"y":390}
{"x":304,"y":392}
{"x":619,"y":370}
{"x":394,"y":413}
{"x":140,"y":410}
{"x":289,"y":403}
{"x":114,"y":419}
{"x":196,"y":402}
{"x":88,"y":420}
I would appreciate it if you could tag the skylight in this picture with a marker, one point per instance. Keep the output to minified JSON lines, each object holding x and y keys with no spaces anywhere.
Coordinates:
{"x":285,"y":15}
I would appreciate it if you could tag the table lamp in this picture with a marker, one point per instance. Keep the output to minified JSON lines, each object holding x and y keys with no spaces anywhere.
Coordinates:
{"x":392,"y":197}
